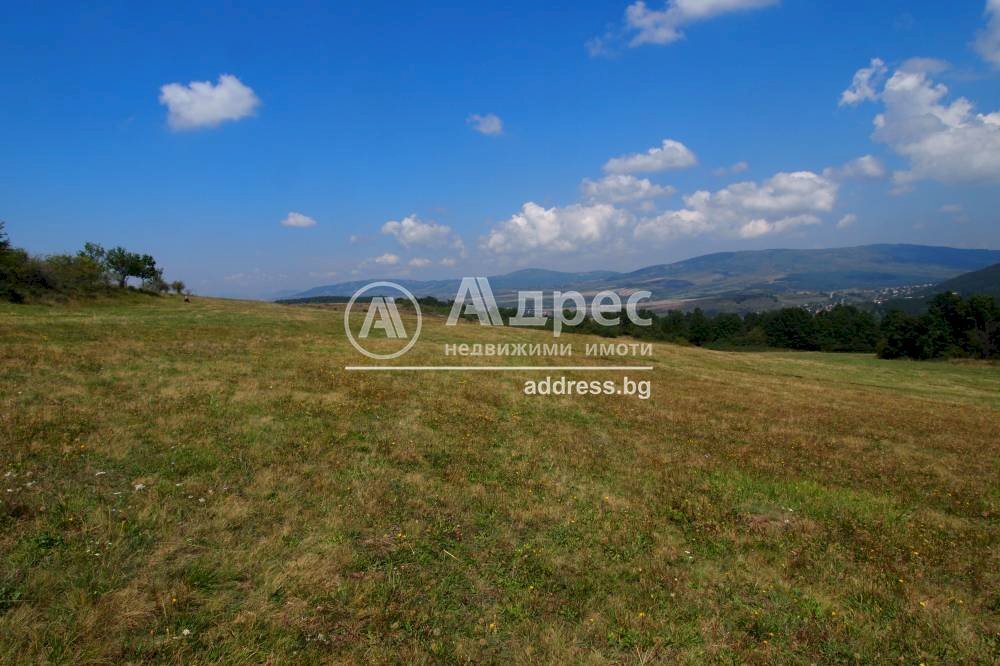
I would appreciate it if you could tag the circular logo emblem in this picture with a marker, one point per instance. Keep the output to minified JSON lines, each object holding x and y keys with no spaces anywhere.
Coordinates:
{"x":382,"y":314}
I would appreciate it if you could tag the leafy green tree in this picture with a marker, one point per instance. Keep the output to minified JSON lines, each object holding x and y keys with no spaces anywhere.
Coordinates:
{"x":179,"y":287}
{"x":673,"y":326}
{"x":727,"y":327}
{"x":73,"y":274}
{"x":846,"y":328}
{"x":124,"y":264}
{"x":791,"y":328}
{"x":699,"y":327}
{"x":983,"y":338}
{"x":898,"y":331}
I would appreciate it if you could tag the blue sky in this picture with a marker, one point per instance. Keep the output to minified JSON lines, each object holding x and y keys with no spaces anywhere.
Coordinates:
{"x":365,"y":120}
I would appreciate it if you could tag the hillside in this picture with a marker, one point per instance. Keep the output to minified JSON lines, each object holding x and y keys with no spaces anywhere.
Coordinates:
{"x":985,"y":282}
{"x":736,"y":276}
{"x":204,"y":482}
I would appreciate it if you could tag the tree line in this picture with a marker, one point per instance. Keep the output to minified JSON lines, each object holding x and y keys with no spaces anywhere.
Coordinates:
{"x":91,"y":271}
{"x":951,"y":327}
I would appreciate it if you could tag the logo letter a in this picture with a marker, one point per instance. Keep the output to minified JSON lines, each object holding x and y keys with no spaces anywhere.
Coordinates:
{"x":388,"y":318}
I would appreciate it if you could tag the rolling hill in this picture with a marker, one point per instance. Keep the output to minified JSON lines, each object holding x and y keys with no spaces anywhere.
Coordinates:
{"x":187,"y":481}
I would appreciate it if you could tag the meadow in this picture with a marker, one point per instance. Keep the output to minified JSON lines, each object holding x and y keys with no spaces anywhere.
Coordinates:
{"x":203,"y":482}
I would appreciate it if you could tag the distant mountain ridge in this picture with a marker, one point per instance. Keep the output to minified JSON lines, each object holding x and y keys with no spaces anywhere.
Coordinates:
{"x":731,"y":273}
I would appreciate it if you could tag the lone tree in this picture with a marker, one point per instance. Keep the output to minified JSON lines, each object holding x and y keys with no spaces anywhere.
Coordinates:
{"x":178,"y":287}
{"x":124,"y":264}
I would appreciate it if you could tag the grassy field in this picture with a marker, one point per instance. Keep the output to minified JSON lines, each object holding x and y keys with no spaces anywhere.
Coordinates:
{"x":204,"y":482}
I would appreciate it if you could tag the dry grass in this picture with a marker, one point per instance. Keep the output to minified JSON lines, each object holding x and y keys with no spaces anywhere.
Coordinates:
{"x":759,"y":508}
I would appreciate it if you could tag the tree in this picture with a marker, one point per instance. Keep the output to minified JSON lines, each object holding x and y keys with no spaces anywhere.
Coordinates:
{"x":791,"y":328}
{"x":674,"y":326}
{"x":727,"y":327}
{"x":845,"y":328}
{"x":155,"y":283}
{"x":897,"y":329}
{"x":4,"y":241}
{"x":94,"y":252}
{"x":699,"y":328}
{"x":178,"y":287}
{"x":983,"y":339}
{"x":124,"y":264}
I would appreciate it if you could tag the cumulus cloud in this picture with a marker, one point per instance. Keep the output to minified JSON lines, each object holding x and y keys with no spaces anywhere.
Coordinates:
{"x":663,"y":26}
{"x":448,"y":262}
{"x":411,"y":231}
{"x":943,"y":140}
{"x":298,"y":221}
{"x":988,"y":41}
{"x":387,"y":259}
{"x":419,"y":262}
{"x":952,"y":209}
{"x":865,"y":84}
{"x":847,"y":221}
{"x":555,"y":229}
{"x":202,"y":104}
{"x":748,"y":209}
{"x":671,"y":155}
{"x":866,"y":166}
{"x":489,"y":124}
{"x":623,"y":188}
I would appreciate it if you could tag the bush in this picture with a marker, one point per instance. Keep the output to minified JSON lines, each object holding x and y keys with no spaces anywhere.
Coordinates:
{"x":951,"y":327}
{"x":24,"y":277}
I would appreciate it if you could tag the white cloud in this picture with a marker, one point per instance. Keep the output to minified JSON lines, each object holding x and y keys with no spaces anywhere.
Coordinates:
{"x":945,"y":141}
{"x":448,"y":262}
{"x":555,"y":229}
{"x":387,"y":259}
{"x":201,"y":104}
{"x":418,"y":262}
{"x":411,"y":231}
{"x":866,"y":166}
{"x":847,"y":221}
{"x":665,"y":25}
{"x":988,"y":41}
{"x":747,"y":209}
{"x":489,"y":124}
{"x":739,"y":167}
{"x":865,"y":84}
{"x":952,"y":209}
{"x":928,"y":65}
{"x":298,"y":221}
{"x":762,"y":227}
{"x":623,"y":188}
{"x":598,"y":46}
{"x":671,"y":155}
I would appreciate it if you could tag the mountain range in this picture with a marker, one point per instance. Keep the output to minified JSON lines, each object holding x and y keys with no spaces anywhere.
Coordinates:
{"x":744,"y":280}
